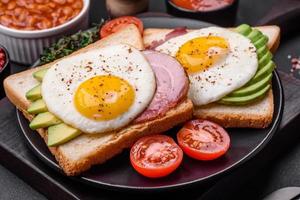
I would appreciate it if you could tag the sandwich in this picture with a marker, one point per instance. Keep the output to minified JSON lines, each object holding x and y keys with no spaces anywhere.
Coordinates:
{"x":230,"y":70}
{"x":99,"y":100}
{"x":92,"y":104}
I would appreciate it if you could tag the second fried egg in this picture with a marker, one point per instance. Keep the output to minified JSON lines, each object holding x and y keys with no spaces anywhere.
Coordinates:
{"x":218,"y":61}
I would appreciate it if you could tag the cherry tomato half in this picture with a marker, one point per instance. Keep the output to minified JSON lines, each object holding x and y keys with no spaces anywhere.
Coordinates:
{"x":203,"y":140}
{"x":155,"y":156}
{"x":116,"y":24}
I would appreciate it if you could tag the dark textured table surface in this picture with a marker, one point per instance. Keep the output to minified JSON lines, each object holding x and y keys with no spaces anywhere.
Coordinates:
{"x":284,"y":171}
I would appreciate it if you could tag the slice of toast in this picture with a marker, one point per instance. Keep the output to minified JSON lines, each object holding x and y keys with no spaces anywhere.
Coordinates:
{"x":255,"y":115}
{"x":86,"y":150}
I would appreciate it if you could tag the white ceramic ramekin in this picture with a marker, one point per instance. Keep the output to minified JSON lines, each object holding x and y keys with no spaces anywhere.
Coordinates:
{"x":25,"y":47}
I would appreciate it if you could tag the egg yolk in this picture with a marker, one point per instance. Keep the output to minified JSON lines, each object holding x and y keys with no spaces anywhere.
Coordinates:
{"x":104,"y":97}
{"x":200,"y":53}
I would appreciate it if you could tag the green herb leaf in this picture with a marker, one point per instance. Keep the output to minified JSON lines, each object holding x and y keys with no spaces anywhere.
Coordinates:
{"x":67,"y":45}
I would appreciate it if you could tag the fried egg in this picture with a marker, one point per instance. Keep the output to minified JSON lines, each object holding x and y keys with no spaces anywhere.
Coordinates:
{"x":218,"y":61}
{"x":100,"y":90}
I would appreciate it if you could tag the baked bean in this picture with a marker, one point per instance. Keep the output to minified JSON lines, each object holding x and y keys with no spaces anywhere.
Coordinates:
{"x":38,"y":14}
{"x":6,"y":20}
{"x":40,"y":25}
{"x":47,"y":23}
{"x":59,"y":12}
{"x":31,"y":21}
{"x":52,"y":5}
{"x":62,"y":20}
{"x":20,"y":24}
{"x":23,"y":15}
{"x":21,"y":3}
{"x":54,"y":15}
{"x":18,"y":11}
{"x":11,"y":5}
{"x":9,"y":12}
{"x":68,"y":11}
{"x":44,"y":8}
{"x":43,"y":24}
{"x":61,"y":2}
{"x":31,"y":7}
{"x":42,"y":1}
{"x":77,"y":5}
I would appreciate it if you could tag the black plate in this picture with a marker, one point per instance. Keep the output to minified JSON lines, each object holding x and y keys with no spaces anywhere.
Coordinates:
{"x":117,"y":173}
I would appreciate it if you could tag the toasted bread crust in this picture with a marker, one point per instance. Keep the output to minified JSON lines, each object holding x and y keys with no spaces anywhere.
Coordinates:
{"x":273,"y":46}
{"x":241,"y":119}
{"x":121,"y":140}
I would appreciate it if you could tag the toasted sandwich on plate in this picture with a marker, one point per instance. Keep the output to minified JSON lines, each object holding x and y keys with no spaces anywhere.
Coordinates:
{"x":94,"y":103}
{"x":230,"y":70}
{"x":99,"y":100}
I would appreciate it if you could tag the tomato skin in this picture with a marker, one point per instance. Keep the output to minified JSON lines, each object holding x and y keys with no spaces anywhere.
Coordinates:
{"x":116,"y":24}
{"x":203,"y":140}
{"x":148,"y":153}
{"x":202,"y":5}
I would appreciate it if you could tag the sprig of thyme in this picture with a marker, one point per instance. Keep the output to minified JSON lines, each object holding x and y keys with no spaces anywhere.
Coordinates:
{"x":68,"y":44}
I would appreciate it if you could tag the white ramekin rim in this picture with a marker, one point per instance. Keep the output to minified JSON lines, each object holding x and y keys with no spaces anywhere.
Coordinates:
{"x":47,"y":32}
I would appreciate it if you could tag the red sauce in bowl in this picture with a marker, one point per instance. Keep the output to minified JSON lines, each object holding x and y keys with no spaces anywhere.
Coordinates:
{"x":202,"y":5}
{"x":2,"y":59}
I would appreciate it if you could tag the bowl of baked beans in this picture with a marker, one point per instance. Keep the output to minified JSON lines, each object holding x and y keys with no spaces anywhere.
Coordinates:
{"x":28,"y":26}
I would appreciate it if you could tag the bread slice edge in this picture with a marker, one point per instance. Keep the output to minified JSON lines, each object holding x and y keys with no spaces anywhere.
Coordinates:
{"x":256,"y":115}
{"x":120,"y":140}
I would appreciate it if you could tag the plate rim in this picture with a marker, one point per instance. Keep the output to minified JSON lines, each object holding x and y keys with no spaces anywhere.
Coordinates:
{"x":119,"y":187}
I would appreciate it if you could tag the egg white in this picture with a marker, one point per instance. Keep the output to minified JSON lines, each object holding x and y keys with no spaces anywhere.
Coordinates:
{"x":122,"y":61}
{"x":224,"y":76}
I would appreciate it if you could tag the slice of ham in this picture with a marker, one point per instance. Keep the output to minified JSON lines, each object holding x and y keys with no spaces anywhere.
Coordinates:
{"x":171,"y":85}
{"x":174,"y":33}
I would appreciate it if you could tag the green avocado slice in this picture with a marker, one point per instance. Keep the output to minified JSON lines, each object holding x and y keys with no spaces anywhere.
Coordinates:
{"x":268,"y":68}
{"x":265,"y":59}
{"x":60,"y":134}
{"x":44,"y":120}
{"x":251,"y":89}
{"x":39,"y":75}
{"x":246,"y":99}
{"x":34,"y":93}
{"x":255,"y":35}
{"x":262,"y":51}
{"x":261,"y":42}
{"x":37,"y":106}
{"x":244,"y":29}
